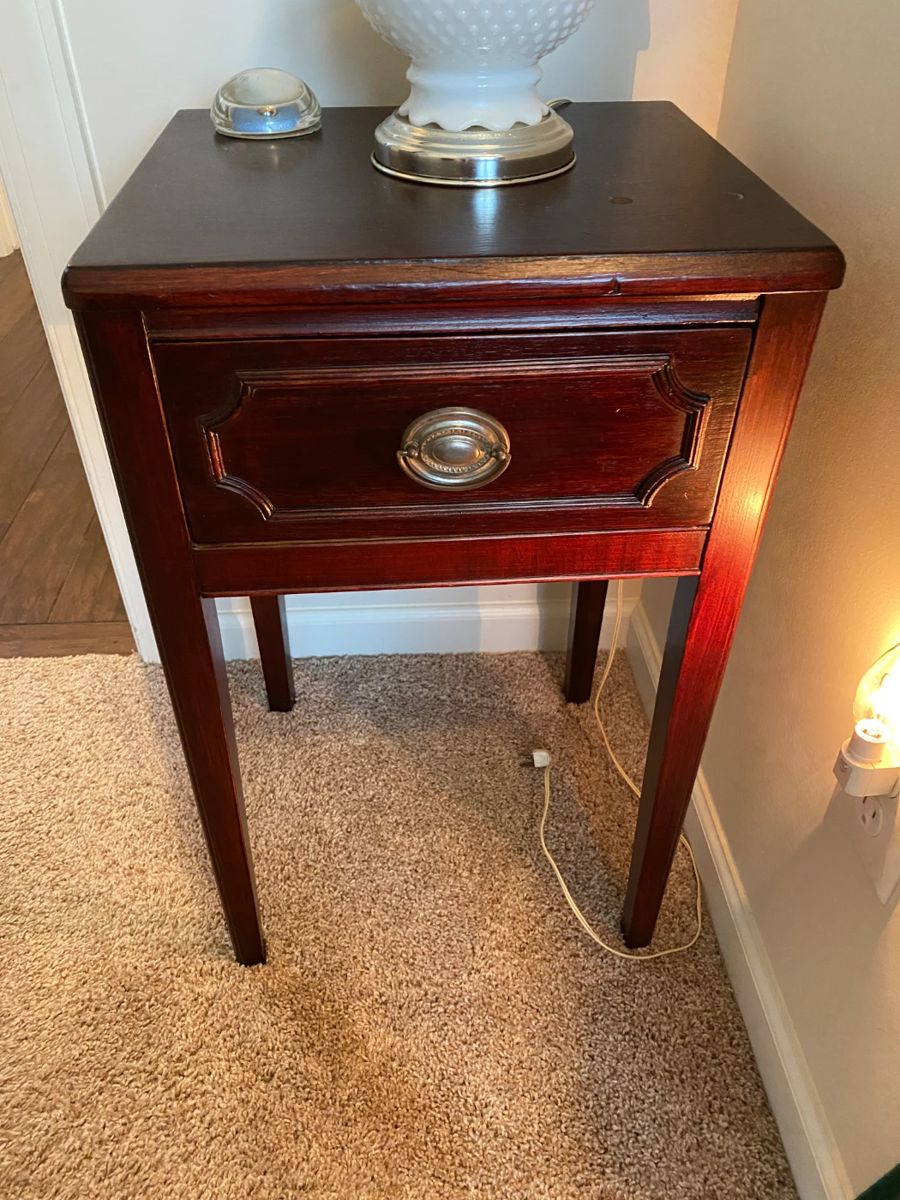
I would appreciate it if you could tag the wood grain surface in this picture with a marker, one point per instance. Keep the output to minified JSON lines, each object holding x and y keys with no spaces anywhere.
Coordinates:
{"x":207,"y":220}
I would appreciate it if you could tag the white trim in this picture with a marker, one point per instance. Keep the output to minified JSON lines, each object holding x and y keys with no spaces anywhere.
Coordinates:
{"x":9,"y":238}
{"x":58,"y":37}
{"x":497,"y":620}
{"x":814,"y":1156}
{"x":53,"y":184}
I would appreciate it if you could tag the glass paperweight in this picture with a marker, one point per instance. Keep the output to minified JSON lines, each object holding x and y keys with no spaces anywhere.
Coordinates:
{"x":265,"y":102}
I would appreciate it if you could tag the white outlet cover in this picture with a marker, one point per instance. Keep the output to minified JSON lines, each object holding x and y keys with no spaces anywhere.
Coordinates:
{"x":880,"y":854}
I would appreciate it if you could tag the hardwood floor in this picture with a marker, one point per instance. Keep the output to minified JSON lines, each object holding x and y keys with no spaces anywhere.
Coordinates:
{"x":58,"y":594}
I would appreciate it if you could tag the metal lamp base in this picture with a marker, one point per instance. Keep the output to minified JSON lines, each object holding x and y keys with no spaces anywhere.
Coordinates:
{"x":476,"y":157}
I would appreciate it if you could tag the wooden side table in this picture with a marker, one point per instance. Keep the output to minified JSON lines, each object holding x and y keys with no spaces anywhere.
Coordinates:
{"x":302,"y":366}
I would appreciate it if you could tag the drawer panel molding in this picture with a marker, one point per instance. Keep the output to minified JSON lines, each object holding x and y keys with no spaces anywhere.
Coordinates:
{"x":256,"y":388}
{"x":279,"y":441}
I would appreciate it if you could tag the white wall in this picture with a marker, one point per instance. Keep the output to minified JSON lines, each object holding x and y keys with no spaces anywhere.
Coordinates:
{"x":138,"y":63}
{"x":812,"y":103}
{"x":107,"y":76}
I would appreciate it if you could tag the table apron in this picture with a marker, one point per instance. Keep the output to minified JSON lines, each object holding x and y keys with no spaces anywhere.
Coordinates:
{"x":351,"y":566}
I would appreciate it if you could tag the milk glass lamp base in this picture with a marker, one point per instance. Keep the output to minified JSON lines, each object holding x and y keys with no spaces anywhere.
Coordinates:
{"x":474,"y":157}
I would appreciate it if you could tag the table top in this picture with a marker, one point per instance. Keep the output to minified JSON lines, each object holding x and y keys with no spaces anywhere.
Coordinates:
{"x":652,"y":197}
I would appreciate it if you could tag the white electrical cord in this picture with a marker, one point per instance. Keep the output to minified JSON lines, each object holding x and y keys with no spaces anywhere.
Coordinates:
{"x":542,"y":759}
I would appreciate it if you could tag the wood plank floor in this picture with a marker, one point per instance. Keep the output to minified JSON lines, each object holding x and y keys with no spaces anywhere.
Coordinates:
{"x":58,"y":594}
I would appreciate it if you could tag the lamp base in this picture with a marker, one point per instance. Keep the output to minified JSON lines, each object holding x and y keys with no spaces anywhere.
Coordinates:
{"x":475,"y":157}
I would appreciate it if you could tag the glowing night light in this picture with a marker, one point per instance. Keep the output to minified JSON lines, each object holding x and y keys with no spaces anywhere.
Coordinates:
{"x":869,"y":762}
{"x":876,"y":708}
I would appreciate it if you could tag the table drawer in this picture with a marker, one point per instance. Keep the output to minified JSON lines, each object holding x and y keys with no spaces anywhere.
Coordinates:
{"x":280,"y":440}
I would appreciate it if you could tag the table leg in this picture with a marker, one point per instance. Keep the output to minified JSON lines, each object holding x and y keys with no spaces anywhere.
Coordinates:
{"x":195,"y":672}
{"x":270,"y":619}
{"x":185,"y":623}
{"x":707,"y":607}
{"x":684,"y":705}
{"x":584,"y":638}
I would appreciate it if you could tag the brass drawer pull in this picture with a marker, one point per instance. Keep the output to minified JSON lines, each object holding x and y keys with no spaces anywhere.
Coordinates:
{"x":454,"y":449}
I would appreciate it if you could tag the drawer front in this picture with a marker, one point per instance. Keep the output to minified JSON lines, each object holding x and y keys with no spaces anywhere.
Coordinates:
{"x":299,"y":439}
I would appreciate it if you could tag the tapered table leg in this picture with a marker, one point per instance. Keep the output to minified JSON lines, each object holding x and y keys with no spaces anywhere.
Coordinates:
{"x":707,"y":607}
{"x":270,"y":619}
{"x":195,"y":672}
{"x":584,"y":638}
{"x":677,"y":737}
{"x":185,"y":622}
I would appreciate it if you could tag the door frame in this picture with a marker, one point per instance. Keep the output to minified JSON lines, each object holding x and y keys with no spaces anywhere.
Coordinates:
{"x":9,"y":238}
{"x":55,"y":191}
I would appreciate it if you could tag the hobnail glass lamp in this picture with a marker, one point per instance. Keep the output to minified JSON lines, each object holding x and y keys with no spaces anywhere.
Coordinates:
{"x":473,"y":116}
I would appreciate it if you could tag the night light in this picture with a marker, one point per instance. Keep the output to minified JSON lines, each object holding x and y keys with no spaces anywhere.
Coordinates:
{"x":869,"y":761}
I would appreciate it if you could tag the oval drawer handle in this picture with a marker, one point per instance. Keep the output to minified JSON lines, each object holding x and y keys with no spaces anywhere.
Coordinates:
{"x":454,"y":449}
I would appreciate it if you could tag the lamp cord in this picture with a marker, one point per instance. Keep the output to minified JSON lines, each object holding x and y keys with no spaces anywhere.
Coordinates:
{"x":579,"y":915}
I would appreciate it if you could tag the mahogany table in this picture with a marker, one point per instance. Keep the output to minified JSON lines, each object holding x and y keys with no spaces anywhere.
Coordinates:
{"x":302,"y":367}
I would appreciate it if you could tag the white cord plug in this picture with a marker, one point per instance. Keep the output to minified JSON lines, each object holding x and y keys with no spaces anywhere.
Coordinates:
{"x":540,"y":758}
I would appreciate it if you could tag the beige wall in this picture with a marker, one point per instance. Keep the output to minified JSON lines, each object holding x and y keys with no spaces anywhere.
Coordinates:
{"x":687,"y":56}
{"x":812,"y":103}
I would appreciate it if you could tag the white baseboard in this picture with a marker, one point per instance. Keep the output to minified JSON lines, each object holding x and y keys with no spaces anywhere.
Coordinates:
{"x":815,"y":1160}
{"x":439,"y":621}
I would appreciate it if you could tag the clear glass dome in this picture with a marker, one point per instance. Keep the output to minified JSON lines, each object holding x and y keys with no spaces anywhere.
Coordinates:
{"x":265,"y":102}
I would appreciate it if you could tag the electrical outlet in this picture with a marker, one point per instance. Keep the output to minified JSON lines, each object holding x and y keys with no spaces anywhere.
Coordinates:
{"x":870,"y":815}
{"x":871,"y":822}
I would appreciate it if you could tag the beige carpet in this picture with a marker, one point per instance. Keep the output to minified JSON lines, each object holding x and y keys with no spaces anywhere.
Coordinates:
{"x":432,"y":1023}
